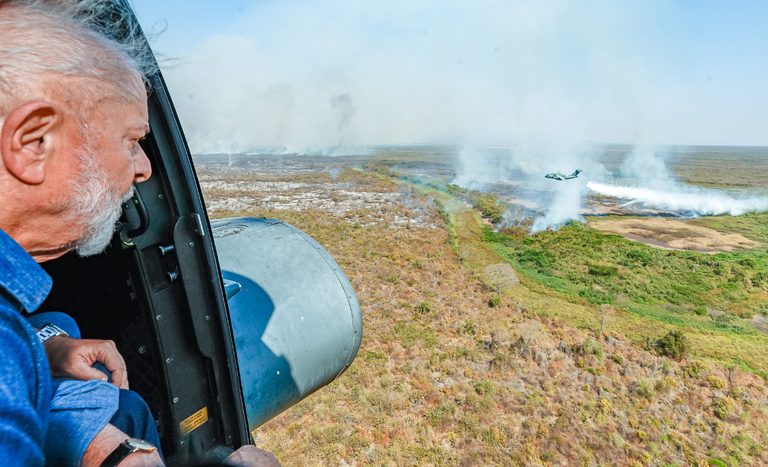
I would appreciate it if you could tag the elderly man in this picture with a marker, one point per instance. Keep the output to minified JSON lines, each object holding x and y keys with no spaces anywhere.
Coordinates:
{"x":73,"y":108}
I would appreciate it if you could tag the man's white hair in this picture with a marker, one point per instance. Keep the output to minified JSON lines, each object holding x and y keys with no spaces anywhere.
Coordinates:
{"x":77,"y":53}
{"x":46,"y":43}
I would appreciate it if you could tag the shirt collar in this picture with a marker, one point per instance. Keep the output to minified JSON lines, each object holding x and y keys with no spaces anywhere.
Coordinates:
{"x":21,"y":278}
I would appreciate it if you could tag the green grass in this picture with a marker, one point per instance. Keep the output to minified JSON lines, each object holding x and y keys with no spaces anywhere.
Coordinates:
{"x":606,"y":268}
{"x":655,"y":290}
{"x":411,"y":334}
{"x":753,"y":226}
{"x":486,"y":203}
{"x":570,"y":273}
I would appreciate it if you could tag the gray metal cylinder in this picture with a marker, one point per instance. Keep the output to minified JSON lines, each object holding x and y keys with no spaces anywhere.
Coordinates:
{"x":295,"y":319}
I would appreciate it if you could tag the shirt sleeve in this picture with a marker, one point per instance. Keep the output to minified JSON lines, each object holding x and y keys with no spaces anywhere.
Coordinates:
{"x":24,"y":391}
{"x":79,"y":411}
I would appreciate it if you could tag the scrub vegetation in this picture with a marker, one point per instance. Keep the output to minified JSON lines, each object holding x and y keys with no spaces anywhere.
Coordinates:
{"x":487,"y":204}
{"x":501,"y":348}
{"x":708,"y":297}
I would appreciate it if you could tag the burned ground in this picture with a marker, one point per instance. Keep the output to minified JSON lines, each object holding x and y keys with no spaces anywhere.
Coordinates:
{"x":674,"y":234}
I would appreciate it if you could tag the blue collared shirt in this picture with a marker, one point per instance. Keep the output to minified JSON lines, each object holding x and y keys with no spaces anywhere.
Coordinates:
{"x":25,"y":381}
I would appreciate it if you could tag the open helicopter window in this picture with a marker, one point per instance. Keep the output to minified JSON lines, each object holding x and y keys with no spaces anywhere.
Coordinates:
{"x":221,"y":326}
{"x":547,"y":133}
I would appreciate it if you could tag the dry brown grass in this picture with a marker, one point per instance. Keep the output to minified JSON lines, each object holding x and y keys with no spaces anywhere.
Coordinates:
{"x":442,"y":378}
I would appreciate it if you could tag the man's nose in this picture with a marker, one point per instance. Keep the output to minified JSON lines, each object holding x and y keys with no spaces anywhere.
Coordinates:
{"x":142,"y":168}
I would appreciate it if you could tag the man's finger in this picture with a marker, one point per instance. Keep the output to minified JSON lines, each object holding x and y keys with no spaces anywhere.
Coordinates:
{"x":251,"y":456}
{"x":120,"y":378}
{"x":85,"y":373}
{"x":111,"y":358}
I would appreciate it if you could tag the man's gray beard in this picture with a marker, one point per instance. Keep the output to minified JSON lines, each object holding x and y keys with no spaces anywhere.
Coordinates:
{"x":95,"y":207}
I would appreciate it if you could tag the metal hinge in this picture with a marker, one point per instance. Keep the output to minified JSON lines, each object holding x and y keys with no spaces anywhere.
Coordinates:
{"x":199,"y":230}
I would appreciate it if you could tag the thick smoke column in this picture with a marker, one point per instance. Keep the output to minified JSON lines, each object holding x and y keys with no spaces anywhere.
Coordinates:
{"x":523,"y":167}
{"x":345,"y":110}
{"x":564,"y":207}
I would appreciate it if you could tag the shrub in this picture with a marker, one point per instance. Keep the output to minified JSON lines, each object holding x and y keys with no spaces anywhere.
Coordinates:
{"x":413,"y":333}
{"x":639,"y":257}
{"x":541,"y":259}
{"x":442,"y":413}
{"x":488,"y":206}
{"x":693,"y":370}
{"x":674,"y":345}
{"x":738,"y":393}
{"x":602,"y":270}
{"x":593,"y":370}
{"x":455,"y":190}
{"x":723,"y":407}
{"x":423,"y":307}
{"x":716,"y":382}
{"x":591,"y":346}
{"x":760,"y":280}
{"x":644,"y":388}
{"x":468,"y":327}
{"x":485,"y":388}
{"x":442,"y":213}
{"x":725,"y":320}
{"x":649,"y":343}
{"x":375,"y":358}
{"x":665,"y":384}
{"x":494,"y":300}
{"x":595,"y":296}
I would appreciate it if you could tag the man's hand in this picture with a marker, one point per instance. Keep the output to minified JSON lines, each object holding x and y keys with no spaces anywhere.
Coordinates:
{"x":74,"y":358}
{"x":251,"y":456}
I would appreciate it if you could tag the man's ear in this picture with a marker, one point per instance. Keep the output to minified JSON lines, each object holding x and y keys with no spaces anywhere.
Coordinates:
{"x":24,"y":140}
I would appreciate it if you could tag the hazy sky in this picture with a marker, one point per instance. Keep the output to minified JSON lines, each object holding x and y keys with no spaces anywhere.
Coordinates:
{"x":245,"y":74}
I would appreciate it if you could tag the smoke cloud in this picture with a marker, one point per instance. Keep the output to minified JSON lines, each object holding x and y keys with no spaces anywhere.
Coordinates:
{"x":467,"y":73}
{"x":345,"y":110}
{"x":564,"y":207}
{"x":684,"y":200}
{"x":643,"y":181}
{"x":651,"y":185}
{"x":646,"y":166}
{"x":519,"y":170}
{"x":522,"y":87}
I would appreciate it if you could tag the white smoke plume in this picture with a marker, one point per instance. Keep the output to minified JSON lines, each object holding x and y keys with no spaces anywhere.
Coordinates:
{"x":522,"y":168}
{"x":651,"y":185}
{"x":646,"y":166}
{"x":685,"y":200}
{"x":644,"y":181}
{"x":564,"y":207}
